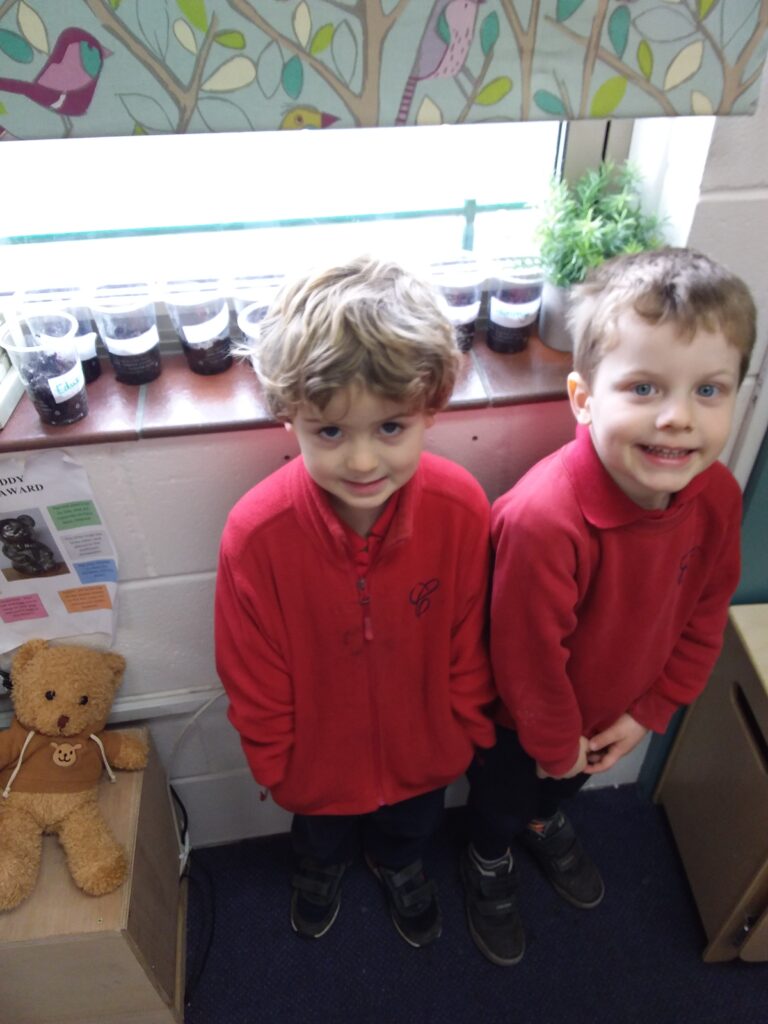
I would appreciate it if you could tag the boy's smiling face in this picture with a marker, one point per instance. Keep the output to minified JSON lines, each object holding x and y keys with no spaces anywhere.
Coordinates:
{"x":659,"y":406}
{"x":360,"y":449}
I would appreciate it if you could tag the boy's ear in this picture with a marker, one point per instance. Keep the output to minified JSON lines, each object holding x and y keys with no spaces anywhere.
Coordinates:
{"x":579,"y":395}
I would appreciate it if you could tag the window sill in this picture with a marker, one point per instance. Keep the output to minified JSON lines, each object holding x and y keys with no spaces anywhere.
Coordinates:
{"x":180,"y":402}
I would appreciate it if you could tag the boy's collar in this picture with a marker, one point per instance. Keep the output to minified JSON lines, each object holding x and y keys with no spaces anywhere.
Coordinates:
{"x":602,"y":501}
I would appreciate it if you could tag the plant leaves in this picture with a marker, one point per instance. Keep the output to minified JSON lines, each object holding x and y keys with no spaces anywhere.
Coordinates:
{"x":32,"y":27}
{"x":684,"y":66}
{"x":154,"y":25}
{"x":489,"y":32}
{"x":344,"y":51}
{"x":645,"y":59}
{"x":705,"y":6}
{"x":701,"y":104}
{"x":232,"y":39}
{"x":222,"y":115}
{"x":235,"y":73}
{"x":115,"y":4}
{"x":185,"y":35}
{"x":549,"y":103}
{"x":147,"y":112}
{"x":292,"y":78}
{"x":194,"y":11}
{"x":16,"y":47}
{"x":429,"y":112}
{"x":665,"y":24}
{"x":565,"y":8}
{"x":618,"y":29}
{"x":608,"y":97}
{"x":321,"y":40}
{"x":494,"y":92}
{"x":269,"y":68}
{"x":302,"y":24}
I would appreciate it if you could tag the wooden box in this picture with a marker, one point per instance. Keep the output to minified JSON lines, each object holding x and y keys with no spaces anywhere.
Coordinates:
{"x":68,"y":958}
{"x":714,"y":789}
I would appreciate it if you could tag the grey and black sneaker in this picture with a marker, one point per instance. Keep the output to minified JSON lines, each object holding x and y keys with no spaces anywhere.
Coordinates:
{"x":490,"y":899}
{"x":316,"y":897}
{"x":412,"y":900}
{"x":558,"y":851}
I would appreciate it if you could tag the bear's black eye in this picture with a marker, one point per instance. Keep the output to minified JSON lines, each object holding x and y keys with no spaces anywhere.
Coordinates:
{"x":83,"y":700}
{"x":50,"y":694}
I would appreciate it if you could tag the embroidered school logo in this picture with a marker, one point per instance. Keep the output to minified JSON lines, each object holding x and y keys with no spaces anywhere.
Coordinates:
{"x":685,"y":562}
{"x":420,"y":596}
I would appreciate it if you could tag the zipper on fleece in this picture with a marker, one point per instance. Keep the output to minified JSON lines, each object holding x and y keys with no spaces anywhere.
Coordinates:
{"x":364,"y":600}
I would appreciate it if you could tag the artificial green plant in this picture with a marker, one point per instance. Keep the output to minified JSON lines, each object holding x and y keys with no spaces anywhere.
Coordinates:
{"x":597,"y":217}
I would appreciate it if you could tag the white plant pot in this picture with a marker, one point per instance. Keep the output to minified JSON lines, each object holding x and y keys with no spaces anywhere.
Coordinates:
{"x":553,"y":328}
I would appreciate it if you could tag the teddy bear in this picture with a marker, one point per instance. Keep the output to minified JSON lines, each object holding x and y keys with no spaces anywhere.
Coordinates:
{"x":51,"y":761}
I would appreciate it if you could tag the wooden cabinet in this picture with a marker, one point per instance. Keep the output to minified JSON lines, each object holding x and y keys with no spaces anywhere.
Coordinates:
{"x":68,"y":958}
{"x":714,"y":789}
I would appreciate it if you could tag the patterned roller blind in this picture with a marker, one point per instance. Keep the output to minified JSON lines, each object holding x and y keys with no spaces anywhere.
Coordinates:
{"x":133,"y":67}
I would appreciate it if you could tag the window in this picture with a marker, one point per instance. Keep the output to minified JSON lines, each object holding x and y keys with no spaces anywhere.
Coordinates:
{"x":168,"y":206}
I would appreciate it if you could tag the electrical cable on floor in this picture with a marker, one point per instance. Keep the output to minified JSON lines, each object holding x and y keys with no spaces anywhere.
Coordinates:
{"x":183,"y":835}
{"x":199,"y":958}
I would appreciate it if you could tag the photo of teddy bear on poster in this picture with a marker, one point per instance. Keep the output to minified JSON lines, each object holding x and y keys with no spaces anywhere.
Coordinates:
{"x":58,"y":565}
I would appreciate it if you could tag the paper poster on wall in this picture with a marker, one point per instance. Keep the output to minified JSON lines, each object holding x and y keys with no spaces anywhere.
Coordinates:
{"x":58,"y":566}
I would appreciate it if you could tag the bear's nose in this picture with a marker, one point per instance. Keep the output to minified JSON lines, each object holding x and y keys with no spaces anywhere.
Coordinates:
{"x":63,"y":719}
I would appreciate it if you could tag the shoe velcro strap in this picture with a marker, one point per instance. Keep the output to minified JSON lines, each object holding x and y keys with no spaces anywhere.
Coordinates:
{"x":409,"y":887}
{"x":495,"y":908}
{"x":313,"y":886}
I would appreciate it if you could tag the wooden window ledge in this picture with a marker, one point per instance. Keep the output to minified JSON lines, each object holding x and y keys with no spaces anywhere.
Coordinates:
{"x":180,"y":402}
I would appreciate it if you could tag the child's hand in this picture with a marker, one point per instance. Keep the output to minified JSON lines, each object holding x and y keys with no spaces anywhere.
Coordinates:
{"x":580,"y":764}
{"x":610,"y":745}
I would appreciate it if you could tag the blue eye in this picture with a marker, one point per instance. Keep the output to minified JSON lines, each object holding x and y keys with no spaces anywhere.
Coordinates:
{"x":391,"y":429}
{"x":329,"y":433}
{"x":642,"y":390}
{"x":708,"y":390}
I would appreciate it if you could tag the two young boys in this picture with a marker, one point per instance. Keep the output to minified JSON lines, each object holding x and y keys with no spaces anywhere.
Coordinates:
{"x":350,"y":602}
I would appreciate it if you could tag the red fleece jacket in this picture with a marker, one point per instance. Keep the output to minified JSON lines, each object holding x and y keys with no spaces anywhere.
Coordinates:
{"x":348,"y":696}
{"x":602,"y":608}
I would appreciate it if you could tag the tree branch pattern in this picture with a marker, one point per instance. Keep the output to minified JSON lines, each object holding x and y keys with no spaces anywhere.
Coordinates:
{"x":124,"y":67}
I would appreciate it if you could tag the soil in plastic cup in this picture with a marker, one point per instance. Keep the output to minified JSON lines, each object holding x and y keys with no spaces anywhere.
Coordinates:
{"x":514,"y":301}
{"x":460,"y":285}
{"x":127,"y":324}
{"x":200,"y":313}
{"x":68,"y":300}
{"x":44,"y":352}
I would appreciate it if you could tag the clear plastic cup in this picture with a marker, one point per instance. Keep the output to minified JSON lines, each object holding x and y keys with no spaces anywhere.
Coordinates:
{"x":460,"y":283}
{"x":127,"y":324}
{"x":247,"y":290}
{"x":44,"y":352}
{"x":514,"y":292}
{"x":200,"y":313}
{"x":70,"y":301}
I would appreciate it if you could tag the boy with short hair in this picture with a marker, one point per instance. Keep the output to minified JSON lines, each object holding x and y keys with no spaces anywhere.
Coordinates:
{"x":352,"y":591}
{"x":616,"y":559}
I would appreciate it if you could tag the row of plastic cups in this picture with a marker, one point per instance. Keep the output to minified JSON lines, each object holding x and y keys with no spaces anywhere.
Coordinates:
{"x":513,"y":286}
{"x":125,"y":318}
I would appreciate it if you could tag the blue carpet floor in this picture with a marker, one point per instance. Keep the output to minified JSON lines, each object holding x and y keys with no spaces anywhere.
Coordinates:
{"x":636,"y":959}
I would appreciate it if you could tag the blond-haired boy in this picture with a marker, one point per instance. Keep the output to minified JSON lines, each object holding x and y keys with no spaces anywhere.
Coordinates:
{"x":351,"y":593}
{"x":615,"y":561}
